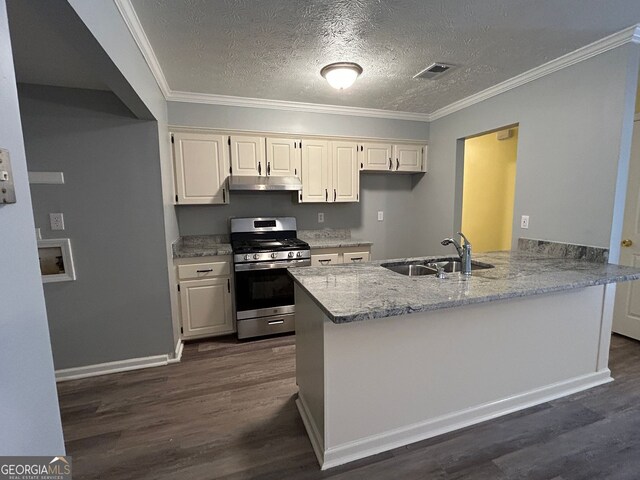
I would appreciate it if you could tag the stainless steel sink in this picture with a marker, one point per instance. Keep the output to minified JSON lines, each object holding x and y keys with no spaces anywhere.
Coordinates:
{"x":411,"y":270}
{"x":453,"y":266}
{"x":420,"y":268}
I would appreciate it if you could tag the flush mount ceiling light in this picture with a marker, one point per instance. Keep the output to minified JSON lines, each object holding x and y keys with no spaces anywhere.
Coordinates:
{"x":341,"y":75}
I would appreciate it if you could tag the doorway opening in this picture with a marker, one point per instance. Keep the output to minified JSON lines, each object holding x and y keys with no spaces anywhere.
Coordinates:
{"x":489,"y":180}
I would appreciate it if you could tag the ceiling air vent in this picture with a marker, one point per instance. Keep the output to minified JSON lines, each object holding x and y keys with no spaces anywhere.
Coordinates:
{"x":434,"y":71}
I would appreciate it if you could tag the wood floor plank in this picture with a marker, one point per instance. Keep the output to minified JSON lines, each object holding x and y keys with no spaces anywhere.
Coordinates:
{"x":227,"y":412}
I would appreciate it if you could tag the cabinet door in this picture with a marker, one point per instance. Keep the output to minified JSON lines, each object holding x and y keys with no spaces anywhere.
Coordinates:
{"x":325,"y":259}
{"x":408,"y":158}
{"x":206,"y":307}
{"x":346,"y":175}
{"x":316,"y":171}
{"x":201,"y":166}
{"x":283,"y":157}
{"x":376,"y":157}
{"x":247,"y":155}
{"x":356,"y":257}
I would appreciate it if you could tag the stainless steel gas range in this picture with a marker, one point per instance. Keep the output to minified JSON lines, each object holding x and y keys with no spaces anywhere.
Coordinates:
{"x":263,"y":250}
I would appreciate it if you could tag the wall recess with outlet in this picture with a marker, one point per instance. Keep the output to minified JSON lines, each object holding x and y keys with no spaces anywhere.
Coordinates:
{"x":7,"y":189}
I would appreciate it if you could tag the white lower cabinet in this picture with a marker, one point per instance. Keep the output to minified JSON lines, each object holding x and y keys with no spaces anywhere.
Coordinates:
{"x":356,"y":257}
{"x":325,"y":257}
{"x":206,"y":301}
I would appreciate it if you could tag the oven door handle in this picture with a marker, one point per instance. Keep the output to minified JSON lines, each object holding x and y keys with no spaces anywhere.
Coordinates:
{"x":245,"y":267}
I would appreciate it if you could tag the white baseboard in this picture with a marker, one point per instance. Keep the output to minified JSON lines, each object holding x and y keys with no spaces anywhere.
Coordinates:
{"x":315,"y":437}
{"x":399,"y":437}
{"x":120,"y":365}
{"x":177,"y":356}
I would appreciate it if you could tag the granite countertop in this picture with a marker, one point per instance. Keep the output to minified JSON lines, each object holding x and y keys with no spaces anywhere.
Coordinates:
{"x":331,"y":238}
{"x":356,"y":292}
{"x":193,"y":246}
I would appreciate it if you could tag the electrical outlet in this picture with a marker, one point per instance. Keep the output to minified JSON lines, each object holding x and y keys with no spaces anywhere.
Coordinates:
{"x":524,"y":221}
{"x":57,"y":221}
{"x":320,"y":217}
{"x":380,"y":215}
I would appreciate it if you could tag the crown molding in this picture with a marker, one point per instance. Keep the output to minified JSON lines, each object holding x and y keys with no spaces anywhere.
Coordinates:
{"x":232,"y":101}
{"x":628,"y":35}
{"x":130,"y":17}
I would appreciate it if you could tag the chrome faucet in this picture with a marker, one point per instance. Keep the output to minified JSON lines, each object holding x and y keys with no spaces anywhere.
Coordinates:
{"x":464,"y":252}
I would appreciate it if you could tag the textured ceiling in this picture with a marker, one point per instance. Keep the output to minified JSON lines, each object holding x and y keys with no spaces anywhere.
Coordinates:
{"x":274,"y":49}
{"x":43,"y":49}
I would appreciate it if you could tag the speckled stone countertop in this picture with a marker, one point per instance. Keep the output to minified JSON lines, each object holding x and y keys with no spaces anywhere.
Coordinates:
{"x":331,"y":238}
{"x":356,"y":292}
{"x":192,"y":246}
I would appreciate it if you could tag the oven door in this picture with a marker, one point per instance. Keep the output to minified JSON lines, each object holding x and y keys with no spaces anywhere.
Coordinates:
{"x":264,"y":289}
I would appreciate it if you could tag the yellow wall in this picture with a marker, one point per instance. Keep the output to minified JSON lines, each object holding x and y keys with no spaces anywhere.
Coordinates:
{"x":488,"y":191}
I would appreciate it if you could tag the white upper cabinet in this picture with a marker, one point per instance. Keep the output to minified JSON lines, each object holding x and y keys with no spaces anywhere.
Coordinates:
{"x":408,"y":158}
{"x":201,"y":165}
{"x":376,"y":157}
{"x":283,"y":157}
{"x":329,"y":171}
{"x":316,"y":171}
{"x":346,"y":175}
{"x":247,"y":155}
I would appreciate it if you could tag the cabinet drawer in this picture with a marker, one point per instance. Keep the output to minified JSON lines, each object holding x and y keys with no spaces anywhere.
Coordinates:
{"x":325,"y":259}
{"x":356,"y":257}
{"x":257,"y":327}
{"x":203,"y":270}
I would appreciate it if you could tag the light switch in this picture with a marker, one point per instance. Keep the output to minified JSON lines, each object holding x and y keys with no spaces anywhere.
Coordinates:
{"x":7,"y":190}
{"x":380,"y":215}
{"x":524,"y":221}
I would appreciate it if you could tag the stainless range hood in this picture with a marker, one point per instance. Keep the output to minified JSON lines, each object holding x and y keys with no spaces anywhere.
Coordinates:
{"x":263,"y":182}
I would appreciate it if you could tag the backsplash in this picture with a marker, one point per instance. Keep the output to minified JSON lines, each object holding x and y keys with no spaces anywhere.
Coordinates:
{"x":565,"y":250}
{"x":325,"y":233}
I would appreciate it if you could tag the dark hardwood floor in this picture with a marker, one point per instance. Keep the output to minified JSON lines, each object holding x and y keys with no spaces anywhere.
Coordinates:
{"x":227,"y":411}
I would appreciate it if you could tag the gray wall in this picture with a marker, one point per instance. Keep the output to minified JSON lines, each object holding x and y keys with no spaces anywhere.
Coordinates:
{"x":108,"y":27}
{"x":29,"y":412}
{"x":118,"y":308}
{"x":389,"y":193}
{"x":280,"y":121}
{"x":575,"y":125}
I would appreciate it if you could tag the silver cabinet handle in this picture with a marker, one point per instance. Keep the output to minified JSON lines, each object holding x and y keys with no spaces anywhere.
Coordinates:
{"x":325,"y":261}
{"x":275,"y":322}
{"x":205,"y":271}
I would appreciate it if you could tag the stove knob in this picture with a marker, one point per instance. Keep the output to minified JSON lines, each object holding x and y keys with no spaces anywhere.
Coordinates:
{"x":274,"y":255}
{"x":256,"y":256}
{"x":299,"y":254}
{"x":291,"y":254}
{"x":247,"y":257}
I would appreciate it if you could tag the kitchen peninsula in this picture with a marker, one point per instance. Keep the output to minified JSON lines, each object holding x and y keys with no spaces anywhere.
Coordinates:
{"x":385,"y":359}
